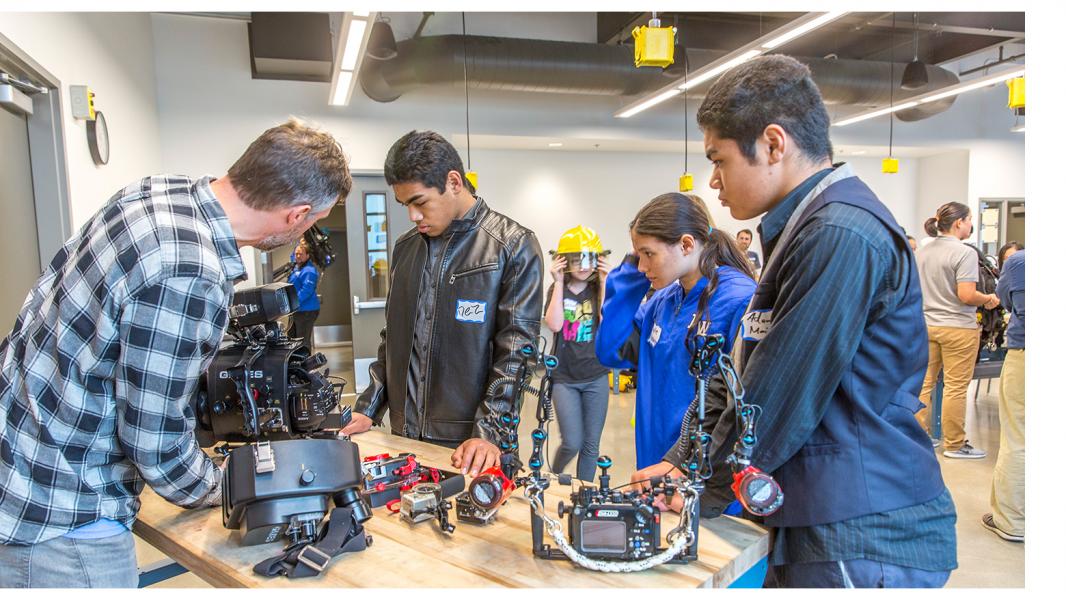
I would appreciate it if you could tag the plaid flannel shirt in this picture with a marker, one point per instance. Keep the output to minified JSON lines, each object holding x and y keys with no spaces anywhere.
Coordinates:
{"x":97,"y":375}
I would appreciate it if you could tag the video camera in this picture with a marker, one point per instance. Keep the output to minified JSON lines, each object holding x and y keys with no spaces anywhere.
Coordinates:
{"x":264,"y":385}
{"x":269,"y":391}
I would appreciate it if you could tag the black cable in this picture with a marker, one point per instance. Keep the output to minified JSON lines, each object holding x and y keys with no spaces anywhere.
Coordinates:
{"x":466,"y":87}
{"x":891,"y":83}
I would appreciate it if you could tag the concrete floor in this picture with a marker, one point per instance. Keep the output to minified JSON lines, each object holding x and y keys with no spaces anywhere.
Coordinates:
{"x":984,"y":559}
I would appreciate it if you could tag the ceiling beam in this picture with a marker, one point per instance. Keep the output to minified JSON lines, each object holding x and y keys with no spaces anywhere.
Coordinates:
{"x":886,"y":22}
{"x":626,"y":31}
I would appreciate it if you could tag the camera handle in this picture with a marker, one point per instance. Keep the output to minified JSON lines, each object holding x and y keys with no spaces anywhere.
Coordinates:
{"x":239,"y":375}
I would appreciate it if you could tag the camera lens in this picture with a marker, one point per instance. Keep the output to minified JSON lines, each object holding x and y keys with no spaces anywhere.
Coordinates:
{"x":485,"y":491}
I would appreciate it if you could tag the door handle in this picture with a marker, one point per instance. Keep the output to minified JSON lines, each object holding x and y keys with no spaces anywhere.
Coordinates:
{"x":358,"y":306}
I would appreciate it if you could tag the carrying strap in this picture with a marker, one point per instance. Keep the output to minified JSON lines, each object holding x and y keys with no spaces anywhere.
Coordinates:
{"x":340,"y":535}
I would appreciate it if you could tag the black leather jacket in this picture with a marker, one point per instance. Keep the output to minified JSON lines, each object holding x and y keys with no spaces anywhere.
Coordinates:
{"x":489,"y":258}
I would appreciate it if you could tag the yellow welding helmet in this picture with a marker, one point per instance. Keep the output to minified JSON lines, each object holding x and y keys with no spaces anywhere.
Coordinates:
{"x":581,"y":246}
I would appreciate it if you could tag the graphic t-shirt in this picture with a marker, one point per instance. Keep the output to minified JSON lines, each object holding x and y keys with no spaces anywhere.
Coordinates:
{"x":576,"y":348}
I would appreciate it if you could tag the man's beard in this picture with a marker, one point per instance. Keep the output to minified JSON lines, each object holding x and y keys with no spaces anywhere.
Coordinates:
{"x":278,"y":240}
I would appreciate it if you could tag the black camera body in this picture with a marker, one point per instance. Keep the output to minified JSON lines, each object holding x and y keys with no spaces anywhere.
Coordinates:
{"x":263,"y":385}
{"x":612,"y":525}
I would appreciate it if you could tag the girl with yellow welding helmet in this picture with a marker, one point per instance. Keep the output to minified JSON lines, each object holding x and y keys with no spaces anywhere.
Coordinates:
{"x":580,"y":392}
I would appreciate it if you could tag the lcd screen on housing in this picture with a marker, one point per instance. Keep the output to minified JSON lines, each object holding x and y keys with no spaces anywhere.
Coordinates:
{"x":603,"y":536}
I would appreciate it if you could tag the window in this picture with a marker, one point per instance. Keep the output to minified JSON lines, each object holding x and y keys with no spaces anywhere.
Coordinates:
{"x":377,"y":244}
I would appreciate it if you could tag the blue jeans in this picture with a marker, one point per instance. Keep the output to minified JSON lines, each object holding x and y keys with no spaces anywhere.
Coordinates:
{"x":68,"y":563}
{"x":581,"y":410}
{"x":858,"y":573}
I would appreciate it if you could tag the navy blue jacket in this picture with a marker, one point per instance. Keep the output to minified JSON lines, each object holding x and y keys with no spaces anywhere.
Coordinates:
{"x":841,"y":437}
{"x":1011,"y":292}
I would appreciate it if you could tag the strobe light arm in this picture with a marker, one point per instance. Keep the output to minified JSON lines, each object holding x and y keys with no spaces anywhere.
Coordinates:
{"x":757,"y":491}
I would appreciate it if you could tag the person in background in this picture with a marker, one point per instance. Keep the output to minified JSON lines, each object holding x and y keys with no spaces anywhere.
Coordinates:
{"x":744,"y":241}
{"x":948,"y":271}
{"x":1007,"y":519}
{"x":572,"y":312}
{"x":304,"y":277}
{"x":97,"y":375}
{"x":703,"y":283}
{"x":1006,"y":252}
{"x":913,"y":242}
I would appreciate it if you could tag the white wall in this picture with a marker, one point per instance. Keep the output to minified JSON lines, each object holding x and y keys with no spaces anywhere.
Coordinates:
{"x":942,"y":178}
{"x":113,"y":54}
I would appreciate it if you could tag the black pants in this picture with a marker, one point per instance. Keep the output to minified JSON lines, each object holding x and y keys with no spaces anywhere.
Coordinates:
{"x":302,"y":325}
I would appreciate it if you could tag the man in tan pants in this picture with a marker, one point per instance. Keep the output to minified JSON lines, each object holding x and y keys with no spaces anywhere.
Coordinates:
{"x":1007,"y":519}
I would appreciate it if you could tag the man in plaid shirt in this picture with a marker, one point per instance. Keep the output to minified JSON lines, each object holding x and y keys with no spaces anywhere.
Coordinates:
{"x":97,"y":374}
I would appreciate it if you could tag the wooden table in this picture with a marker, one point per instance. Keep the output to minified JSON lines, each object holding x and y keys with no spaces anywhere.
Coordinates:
{"x":420,"y":555}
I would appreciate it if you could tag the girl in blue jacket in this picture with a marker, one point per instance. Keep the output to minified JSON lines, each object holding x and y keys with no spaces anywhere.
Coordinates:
{"x":702,"y":284}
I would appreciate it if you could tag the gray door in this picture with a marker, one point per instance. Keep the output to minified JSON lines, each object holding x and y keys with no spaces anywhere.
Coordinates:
{"x":375,"y":220}
{"x":18,"y":227}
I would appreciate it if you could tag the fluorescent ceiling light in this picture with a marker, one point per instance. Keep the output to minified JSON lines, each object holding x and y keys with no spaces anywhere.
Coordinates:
{"x":876,"y":113}
{"x":345,"y":71}
{"x":663,"y":97}
{"x":340,"y":93}
{"x":722,"y":68}
{"x":794,"y":29}
{"x":802,"y":29}
{"x":955,"y":90}
{"x":963,"y":87}
{"x":555,"y":144}
{"x":351,"y":46}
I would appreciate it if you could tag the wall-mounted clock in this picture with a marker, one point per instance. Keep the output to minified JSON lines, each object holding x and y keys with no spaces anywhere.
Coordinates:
{"x":99,"y":141}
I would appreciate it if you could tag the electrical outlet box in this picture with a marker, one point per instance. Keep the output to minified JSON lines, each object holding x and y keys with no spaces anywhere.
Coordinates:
{"x":81,"y":103}
{"x":1016,"y":93}
{"x":685,"y":184}
{"x":653,"y":46}
{"x":890,"y":165}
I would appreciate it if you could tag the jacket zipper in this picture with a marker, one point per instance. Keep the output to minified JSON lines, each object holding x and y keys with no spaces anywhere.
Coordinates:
{"x":488,"y":267}
{"x":433,"y":331}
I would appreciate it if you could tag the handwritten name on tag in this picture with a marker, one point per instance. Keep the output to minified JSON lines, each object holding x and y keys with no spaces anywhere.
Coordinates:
{"x":756,"y":324}
{"x":470,"y":311}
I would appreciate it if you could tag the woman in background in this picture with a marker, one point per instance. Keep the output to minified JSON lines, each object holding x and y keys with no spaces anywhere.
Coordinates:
{"x":304,"y":277}
{"x":949,"y":273}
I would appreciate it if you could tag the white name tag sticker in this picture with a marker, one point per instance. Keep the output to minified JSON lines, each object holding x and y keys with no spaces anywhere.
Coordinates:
{"x":756,"y":324}
{"x":656,"y":331}
{"x":470,"y":311}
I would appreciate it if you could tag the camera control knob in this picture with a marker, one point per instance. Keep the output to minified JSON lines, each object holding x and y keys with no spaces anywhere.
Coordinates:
{"x":307,"y":477}
{"x":218,"y":407}
{"x":644,"y":513}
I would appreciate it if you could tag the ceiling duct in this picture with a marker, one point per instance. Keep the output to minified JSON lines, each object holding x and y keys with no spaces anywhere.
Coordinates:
{"x":525,"y":65}
{"x":291,"y":46}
